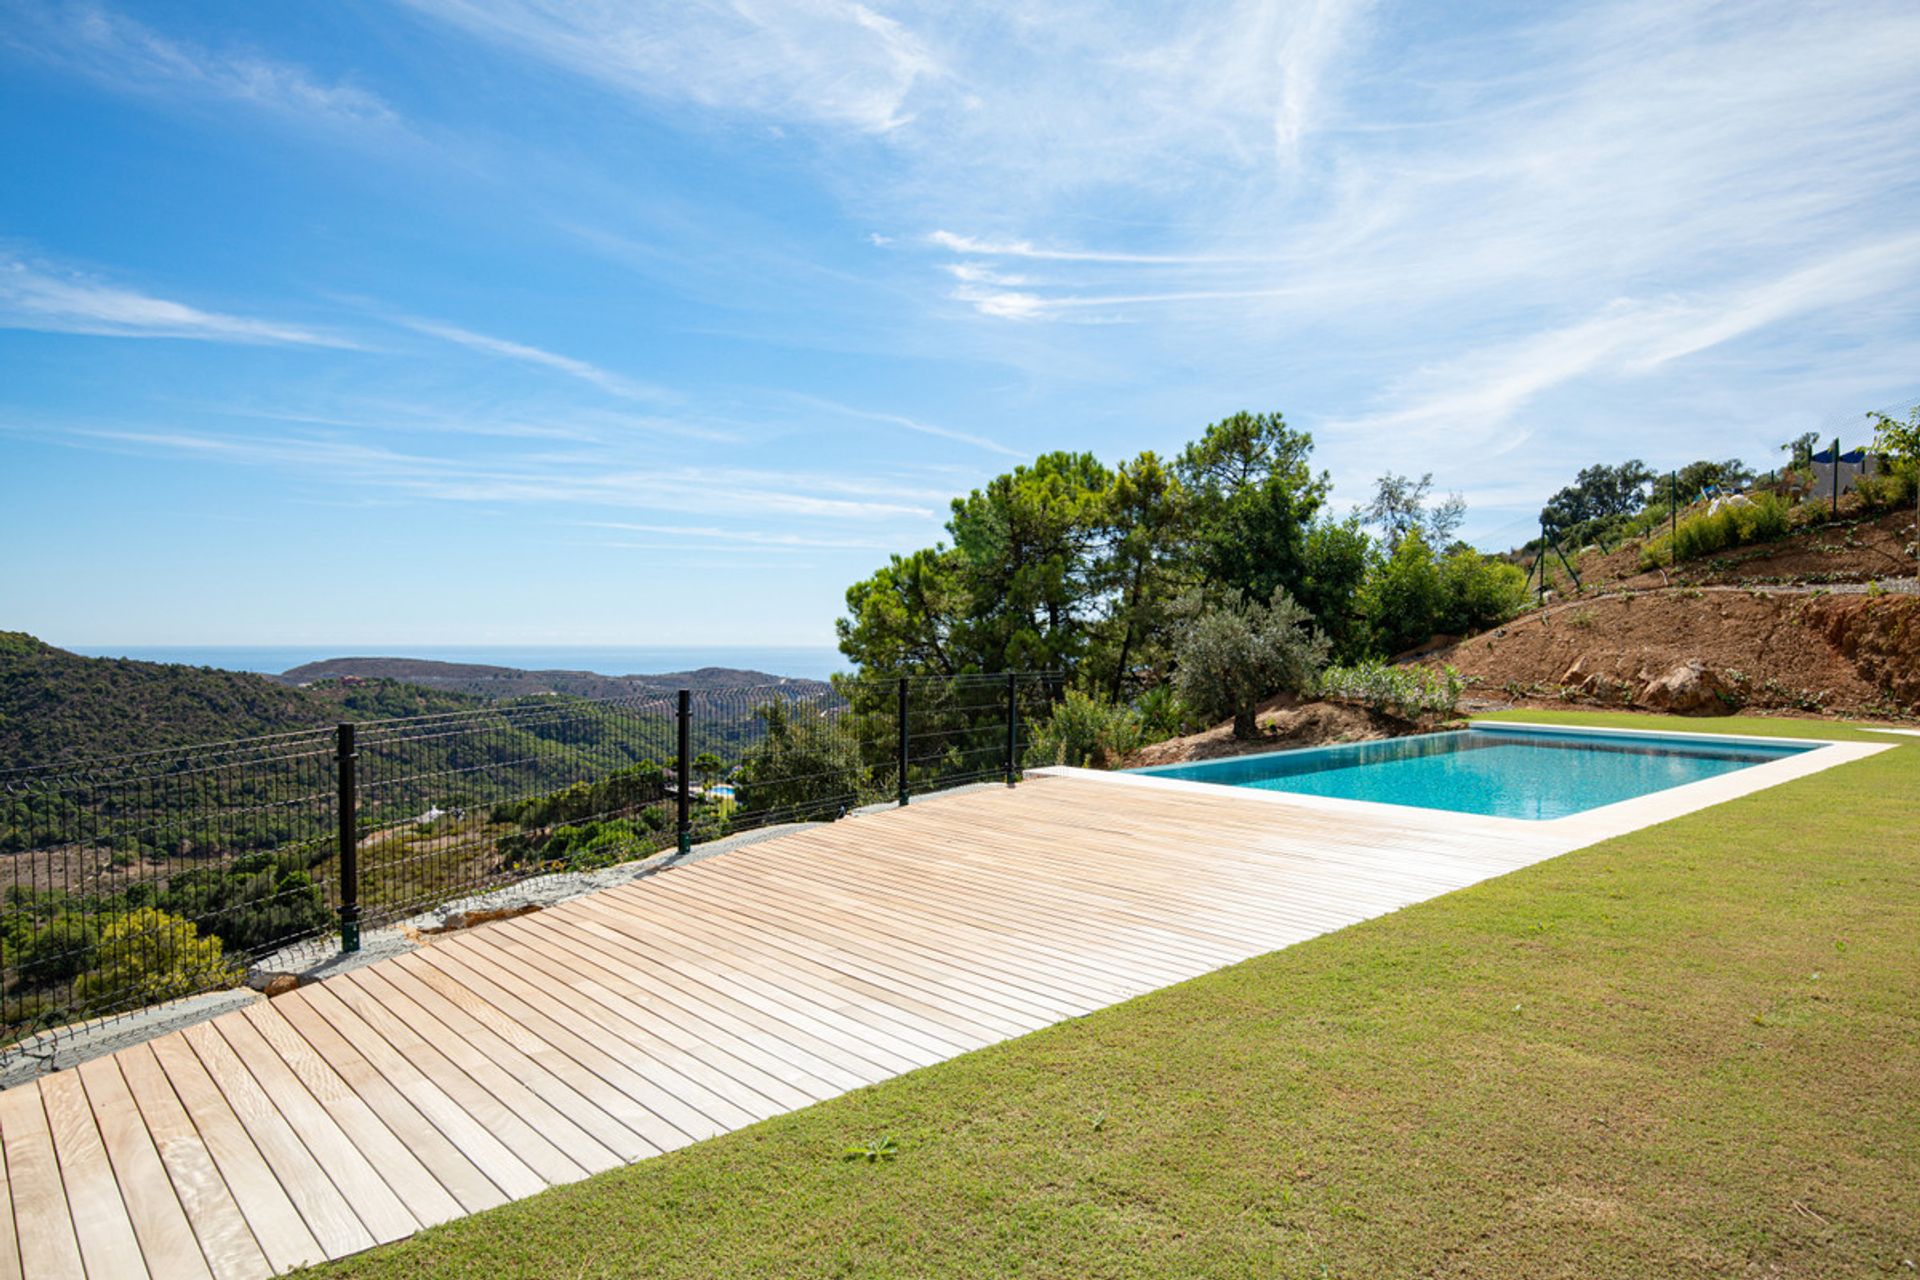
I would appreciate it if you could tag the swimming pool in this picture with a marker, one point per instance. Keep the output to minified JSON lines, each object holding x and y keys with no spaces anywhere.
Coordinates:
{"x":1529,"y":772}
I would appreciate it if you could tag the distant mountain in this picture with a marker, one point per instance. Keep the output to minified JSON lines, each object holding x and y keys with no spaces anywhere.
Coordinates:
{"x":491,"y":682}
{"x":56,"y":705}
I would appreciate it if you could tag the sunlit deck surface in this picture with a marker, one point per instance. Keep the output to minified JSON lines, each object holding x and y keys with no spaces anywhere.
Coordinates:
{"x":539,"y":1050}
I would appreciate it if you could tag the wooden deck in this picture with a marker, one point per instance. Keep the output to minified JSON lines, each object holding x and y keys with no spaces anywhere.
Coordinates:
{"x":540,"y":1050}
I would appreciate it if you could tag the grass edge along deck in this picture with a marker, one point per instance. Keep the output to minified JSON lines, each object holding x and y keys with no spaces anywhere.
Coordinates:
{"x":537,"y":1051}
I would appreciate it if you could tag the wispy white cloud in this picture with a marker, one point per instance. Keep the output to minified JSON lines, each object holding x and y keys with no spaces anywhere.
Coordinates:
{"x":1475,"y":395}
{"x":1026,"y":249}
{"x":614,"y":384}
{"x":833,"y":62}
{"x":55,"y":301}
{"x":123,"y":54}
{"x":912,"y":424}
{"x":572,"y":479}
{"x":754,"y":539}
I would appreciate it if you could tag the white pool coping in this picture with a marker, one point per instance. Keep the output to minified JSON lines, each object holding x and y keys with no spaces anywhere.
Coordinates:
{"x":1567,"y":833}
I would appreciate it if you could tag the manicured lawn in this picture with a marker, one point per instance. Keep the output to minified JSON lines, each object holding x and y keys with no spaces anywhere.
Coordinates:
{"x":1694,"y":1050}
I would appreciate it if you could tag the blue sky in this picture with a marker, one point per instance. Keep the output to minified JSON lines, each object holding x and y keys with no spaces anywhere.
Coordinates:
{"x":520,"y":321}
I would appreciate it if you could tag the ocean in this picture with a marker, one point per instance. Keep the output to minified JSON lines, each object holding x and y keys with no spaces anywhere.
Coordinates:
{"x":807,"y":662}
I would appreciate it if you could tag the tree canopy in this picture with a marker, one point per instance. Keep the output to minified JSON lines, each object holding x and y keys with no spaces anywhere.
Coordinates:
{"x":1067,"y":564}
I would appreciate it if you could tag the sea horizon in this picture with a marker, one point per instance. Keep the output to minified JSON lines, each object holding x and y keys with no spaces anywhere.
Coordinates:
{"x":806,"y":662}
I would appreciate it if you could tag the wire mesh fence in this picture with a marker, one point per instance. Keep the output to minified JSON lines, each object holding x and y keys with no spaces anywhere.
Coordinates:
{"x":139,"y":879}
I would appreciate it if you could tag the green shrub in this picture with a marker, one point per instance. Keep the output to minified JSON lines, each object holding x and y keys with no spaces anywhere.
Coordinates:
{"x":807,"y":765}
{"x":1086,"y":732}
{"x":1403,"y":597}
{"x":1894,"y":487}
{"x":1762,"y":518}
{"x":1163,"y":715}
{"x":587,"y":846}
{"x":252,"y":903}
{"x":1477,"y":593}
{"x":1705,"y":534}
{"x":1408,"y":691}
{"x":148,"y":956}
{"x":60,"y":949}
{"x":1231,"y":657}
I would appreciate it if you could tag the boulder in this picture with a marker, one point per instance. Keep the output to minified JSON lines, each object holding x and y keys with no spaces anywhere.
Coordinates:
{"x":1690,"y":689}
{"x":280,"y":983}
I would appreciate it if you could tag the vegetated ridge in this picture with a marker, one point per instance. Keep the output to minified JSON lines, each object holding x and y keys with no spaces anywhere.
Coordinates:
{"x":56,"y":705}
{"x":482,"y":680}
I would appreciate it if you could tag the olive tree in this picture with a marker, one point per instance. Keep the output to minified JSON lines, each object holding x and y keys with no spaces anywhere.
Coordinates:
{"x":1232,"y":655}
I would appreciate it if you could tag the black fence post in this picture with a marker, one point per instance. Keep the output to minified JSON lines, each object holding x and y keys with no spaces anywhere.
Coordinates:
{"x":1673,"y":517}
{"x":685,"y":716}
{"x":349,"y":805}
{"x":903,"y":740}
{"x":1836,"y":475}
{"x":1013,"y":724}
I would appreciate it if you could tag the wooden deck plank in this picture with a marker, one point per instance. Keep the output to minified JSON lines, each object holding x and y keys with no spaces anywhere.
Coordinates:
{"x":42,"y":1217}
{"x":633,"y":1023}
{"x":279,"y":1227}
{"x":166,"y":1238}
{"x":551,"y":1144}
{"x":791,"y":936}
{"x":835,"y":917}
{"x":964,"y":983}
{"x":322,"y":1205}
{"x":945,"y":1035}
{"x":611,"y":1115}
{"x":412,"y":1181}
{"x":781,"y":1041}
{"x":689,"y":1022}
{"x":867,"y":1063}
{"x":9,"y":1242}
{"x":475,"y":1130}
{"x":229,"y":1237}
{"x":671,"y":1102}
{"x":899,"y":1006}
{"x":488,"y":1065}
{"x":373,"y":1192}
{"x":462,"y":1179}
{"x":101,"y":1223}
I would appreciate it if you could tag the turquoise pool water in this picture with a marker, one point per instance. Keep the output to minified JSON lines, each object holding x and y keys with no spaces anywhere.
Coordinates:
{"x":1503,"y":773}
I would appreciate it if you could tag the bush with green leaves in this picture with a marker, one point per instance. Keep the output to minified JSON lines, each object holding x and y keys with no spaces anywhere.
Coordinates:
{"x":1230,"y":657}
{"x":1414,"y":594}
{"x":60,"y":948}
{"x":251,"y":904}
{"x":1410,"y":692}
{"x":807,"y":765}
{"x":1086,"y":732}
{"x":586,"y":846}
{"x":1163,"y":715}
{"x":1478,"y":592}
{"x":620,"y":791}
{"x":147,"y":956}
{"x":1762,"y":518}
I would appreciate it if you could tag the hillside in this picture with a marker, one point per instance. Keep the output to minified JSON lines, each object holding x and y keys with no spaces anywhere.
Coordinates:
{"x":492,"y":682}
{"x":1822,"y":621}
{"x":56,"y":705}
{"x":1759,"y":649}
{"x":1856,"y":548}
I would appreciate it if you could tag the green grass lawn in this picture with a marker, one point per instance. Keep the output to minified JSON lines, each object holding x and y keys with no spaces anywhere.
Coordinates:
{"x":1694,"y":1050}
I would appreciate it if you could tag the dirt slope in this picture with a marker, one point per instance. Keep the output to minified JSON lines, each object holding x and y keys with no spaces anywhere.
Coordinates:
{"x":1856,"y":548}
{"x":1284,"y":722}
{"x":1766,"y":650}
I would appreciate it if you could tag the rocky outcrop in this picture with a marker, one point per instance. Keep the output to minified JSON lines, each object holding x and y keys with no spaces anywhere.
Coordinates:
{"x":1690,"y":689}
